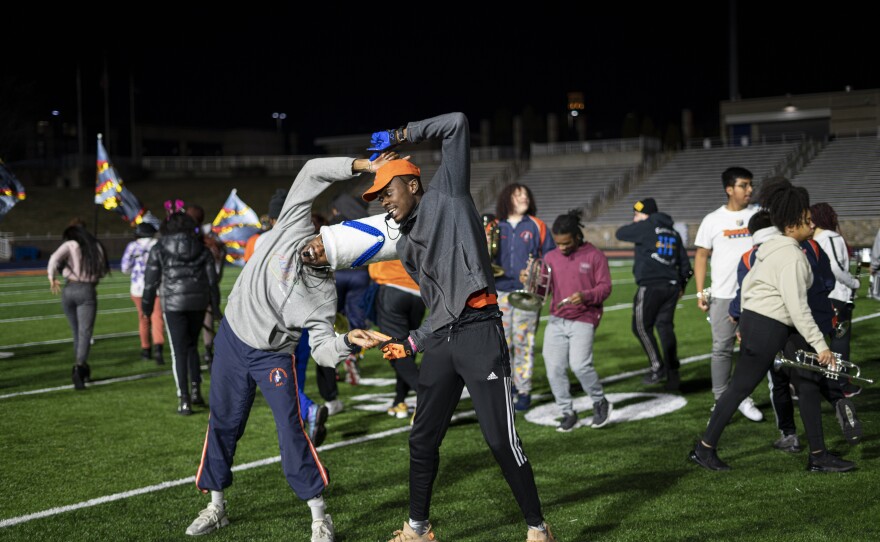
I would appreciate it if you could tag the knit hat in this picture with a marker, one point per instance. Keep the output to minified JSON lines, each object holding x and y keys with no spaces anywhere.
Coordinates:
{"x":387,"y":172}
{"x":354,"y":243}
{"x":276,"y":202}
{"x":647,"y":206}
{"x":144,"y":230}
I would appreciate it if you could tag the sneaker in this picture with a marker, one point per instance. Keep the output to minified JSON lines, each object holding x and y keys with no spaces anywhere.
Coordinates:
{"x":146,"y":354}
{"x":210,"y":519}
{"x":523,"y":401}
{"x":317,"y":419}
{"x":322,"y":530}
{"x":707,"y":458}
{"x":569,"y":419}
{"x":85,"y":372}
{"x":158,"y":354}
{"x":185,"y":407}
{"x":652,"y":378}
{"x":78,"y":381}
{"x":850,"y":389}
{"x":673,"y":382}
{"x":601,"y":413}
{"x":408,"y":535}
{"x":749,"y":410}
{"x":334,"y":407}
{"x":196,"y":394}
{"x":534,"y":535}
{"x":788,"y":443}
{"x":400,"y":410}
{"x":826,"y":462}
{"x":352,"y":372}
{"x":849,"y":423}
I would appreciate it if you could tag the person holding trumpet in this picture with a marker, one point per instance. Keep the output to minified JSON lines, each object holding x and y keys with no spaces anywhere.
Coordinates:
{"x":522,"y":237}
{"x":774,"y":308}
{"x":580,"y":283}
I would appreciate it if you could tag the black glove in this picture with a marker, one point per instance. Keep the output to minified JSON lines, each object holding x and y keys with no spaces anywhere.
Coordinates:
{"x":396,"y":348}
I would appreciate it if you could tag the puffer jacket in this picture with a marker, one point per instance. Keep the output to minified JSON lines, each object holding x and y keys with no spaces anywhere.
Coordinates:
{"x":185,"y":269}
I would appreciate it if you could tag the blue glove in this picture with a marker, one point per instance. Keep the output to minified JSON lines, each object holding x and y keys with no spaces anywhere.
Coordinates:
{"x":385,"y":141}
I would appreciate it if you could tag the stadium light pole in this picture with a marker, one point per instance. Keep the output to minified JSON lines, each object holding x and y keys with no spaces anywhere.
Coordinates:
{"x":279,"y":118}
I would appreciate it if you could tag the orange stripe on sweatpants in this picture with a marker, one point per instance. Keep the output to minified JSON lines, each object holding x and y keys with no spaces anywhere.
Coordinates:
{"x":204,"y":453}
{"x":305,"y":430}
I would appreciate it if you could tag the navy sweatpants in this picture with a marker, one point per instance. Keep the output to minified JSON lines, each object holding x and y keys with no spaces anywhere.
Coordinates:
{"x":236,"y":371}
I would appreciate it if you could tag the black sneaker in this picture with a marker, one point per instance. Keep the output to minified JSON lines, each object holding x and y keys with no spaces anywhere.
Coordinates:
{"x":146,"y":354}
{"x":185,"y":407}
{"x":523,"y":401}
{"x":826,"y":462}
{"x":85,"y":372}
{"x":78,"y":383}
{"x":652,"y":378}
{"x":707,"y":458}
{"x":158,"y":353}
{"x":849,"y":423}
{"x":569,"y":419}
{"x":673,"y":382}
{"x":601,"y":413}
{"x":788,"y":443}
{"x":196,"y":394}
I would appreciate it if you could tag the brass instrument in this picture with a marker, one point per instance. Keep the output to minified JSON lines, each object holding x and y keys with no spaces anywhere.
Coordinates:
{"x":535,"y":288}
{"x":706,"y":296}
{"x":810,"y":362}
{"x":340,"y":324}
{"x":493,"y":240}
{"x":842,"y":325}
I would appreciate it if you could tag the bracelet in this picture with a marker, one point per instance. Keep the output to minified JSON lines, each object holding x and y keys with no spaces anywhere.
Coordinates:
{"x":413,"y":344}
{"x":369,"y":165}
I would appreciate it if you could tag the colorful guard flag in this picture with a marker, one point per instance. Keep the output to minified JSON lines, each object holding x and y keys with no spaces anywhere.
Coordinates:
{"x":11,"y":190}
{"x":110,"y":192}
{"x":234,"y":225}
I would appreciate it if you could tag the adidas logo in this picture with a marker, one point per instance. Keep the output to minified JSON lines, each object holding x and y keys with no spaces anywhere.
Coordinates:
{"x":492,"y":376}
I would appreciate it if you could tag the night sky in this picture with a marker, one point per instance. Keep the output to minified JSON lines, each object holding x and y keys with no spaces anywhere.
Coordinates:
{"x":347,"y":72}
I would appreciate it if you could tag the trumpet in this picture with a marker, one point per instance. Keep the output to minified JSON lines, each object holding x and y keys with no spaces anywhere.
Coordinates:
{"x":810,"y":362}
{"x":493,"y":240}
{"x":535,"y":288}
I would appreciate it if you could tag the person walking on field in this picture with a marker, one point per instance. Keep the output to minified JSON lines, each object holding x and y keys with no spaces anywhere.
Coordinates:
{"x":662,"y":270}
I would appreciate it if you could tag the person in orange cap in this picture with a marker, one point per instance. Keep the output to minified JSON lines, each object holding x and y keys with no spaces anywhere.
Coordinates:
{"x":442,"y":246}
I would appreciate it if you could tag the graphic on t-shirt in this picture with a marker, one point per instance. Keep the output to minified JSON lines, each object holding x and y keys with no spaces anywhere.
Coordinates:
{"x":736,"y":234}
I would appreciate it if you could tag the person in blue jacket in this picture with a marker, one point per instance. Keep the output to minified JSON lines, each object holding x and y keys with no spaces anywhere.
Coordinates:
{"x":522,"y":236}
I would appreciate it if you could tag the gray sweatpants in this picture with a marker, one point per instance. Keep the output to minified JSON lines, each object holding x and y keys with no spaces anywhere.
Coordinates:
{"x":80,"y":303}
{"x":723,"y":340}
{"x":569,"y":343}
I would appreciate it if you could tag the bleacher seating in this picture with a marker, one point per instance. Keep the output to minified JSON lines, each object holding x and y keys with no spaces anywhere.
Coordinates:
{"x":560,"y":189}
{"x":846,"y":175}
{"x":689,"y":185}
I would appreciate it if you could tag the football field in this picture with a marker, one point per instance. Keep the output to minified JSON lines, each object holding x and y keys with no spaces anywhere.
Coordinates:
{"x":116,"y":461}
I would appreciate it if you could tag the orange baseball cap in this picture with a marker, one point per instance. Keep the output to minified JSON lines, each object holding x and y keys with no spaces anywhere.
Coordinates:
{"x":388,"y":172}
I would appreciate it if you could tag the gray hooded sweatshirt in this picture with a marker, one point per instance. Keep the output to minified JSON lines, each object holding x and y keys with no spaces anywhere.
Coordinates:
{"x":276,"y":296}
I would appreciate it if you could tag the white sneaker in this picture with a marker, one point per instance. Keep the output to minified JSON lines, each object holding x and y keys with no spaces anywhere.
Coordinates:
{"x":210,"y":519}
{"x":322,"y":530}
{"x":750,"y":411}
{"x":334,"y":407}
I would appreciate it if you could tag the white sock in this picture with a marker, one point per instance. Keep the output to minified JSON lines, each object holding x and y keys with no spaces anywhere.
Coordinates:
{"x":316,"y":504}
{"x":420,"y":527}
{"x":217,"y":499}
{"x":540,"y":527}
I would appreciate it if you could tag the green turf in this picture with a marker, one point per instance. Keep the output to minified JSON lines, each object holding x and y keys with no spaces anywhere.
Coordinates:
{"x":626,"y":482}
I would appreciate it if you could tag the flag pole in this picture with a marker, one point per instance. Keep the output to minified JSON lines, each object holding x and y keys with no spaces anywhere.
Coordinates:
{"x":96,"y":205}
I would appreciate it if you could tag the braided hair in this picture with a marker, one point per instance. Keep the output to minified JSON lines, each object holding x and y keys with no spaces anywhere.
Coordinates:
{"x":786,"y":203}
{"x":570,"y":223}
{"x":825,"y":217}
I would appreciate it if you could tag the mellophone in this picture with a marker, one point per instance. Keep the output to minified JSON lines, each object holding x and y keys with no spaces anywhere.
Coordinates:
{"x":810,"y":362}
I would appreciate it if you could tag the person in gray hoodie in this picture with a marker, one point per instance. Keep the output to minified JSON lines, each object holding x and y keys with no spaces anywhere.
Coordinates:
{"x":286,"y":286}
{"x":442,"y":245}
{"x":774,"y":309}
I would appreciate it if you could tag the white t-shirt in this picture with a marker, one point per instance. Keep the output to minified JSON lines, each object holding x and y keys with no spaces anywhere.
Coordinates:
{"x":726,"y":234}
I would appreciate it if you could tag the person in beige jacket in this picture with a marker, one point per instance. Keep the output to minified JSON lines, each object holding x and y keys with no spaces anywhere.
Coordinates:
{"x":774,"y":302}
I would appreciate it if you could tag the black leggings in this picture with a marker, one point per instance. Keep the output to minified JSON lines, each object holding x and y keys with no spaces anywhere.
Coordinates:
{"x":183,"y":331}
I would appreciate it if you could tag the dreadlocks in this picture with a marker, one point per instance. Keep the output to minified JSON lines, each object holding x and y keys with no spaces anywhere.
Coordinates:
{"x":569,"y":223}
{"x":786,"y":203}
{"x":825,"y":217}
